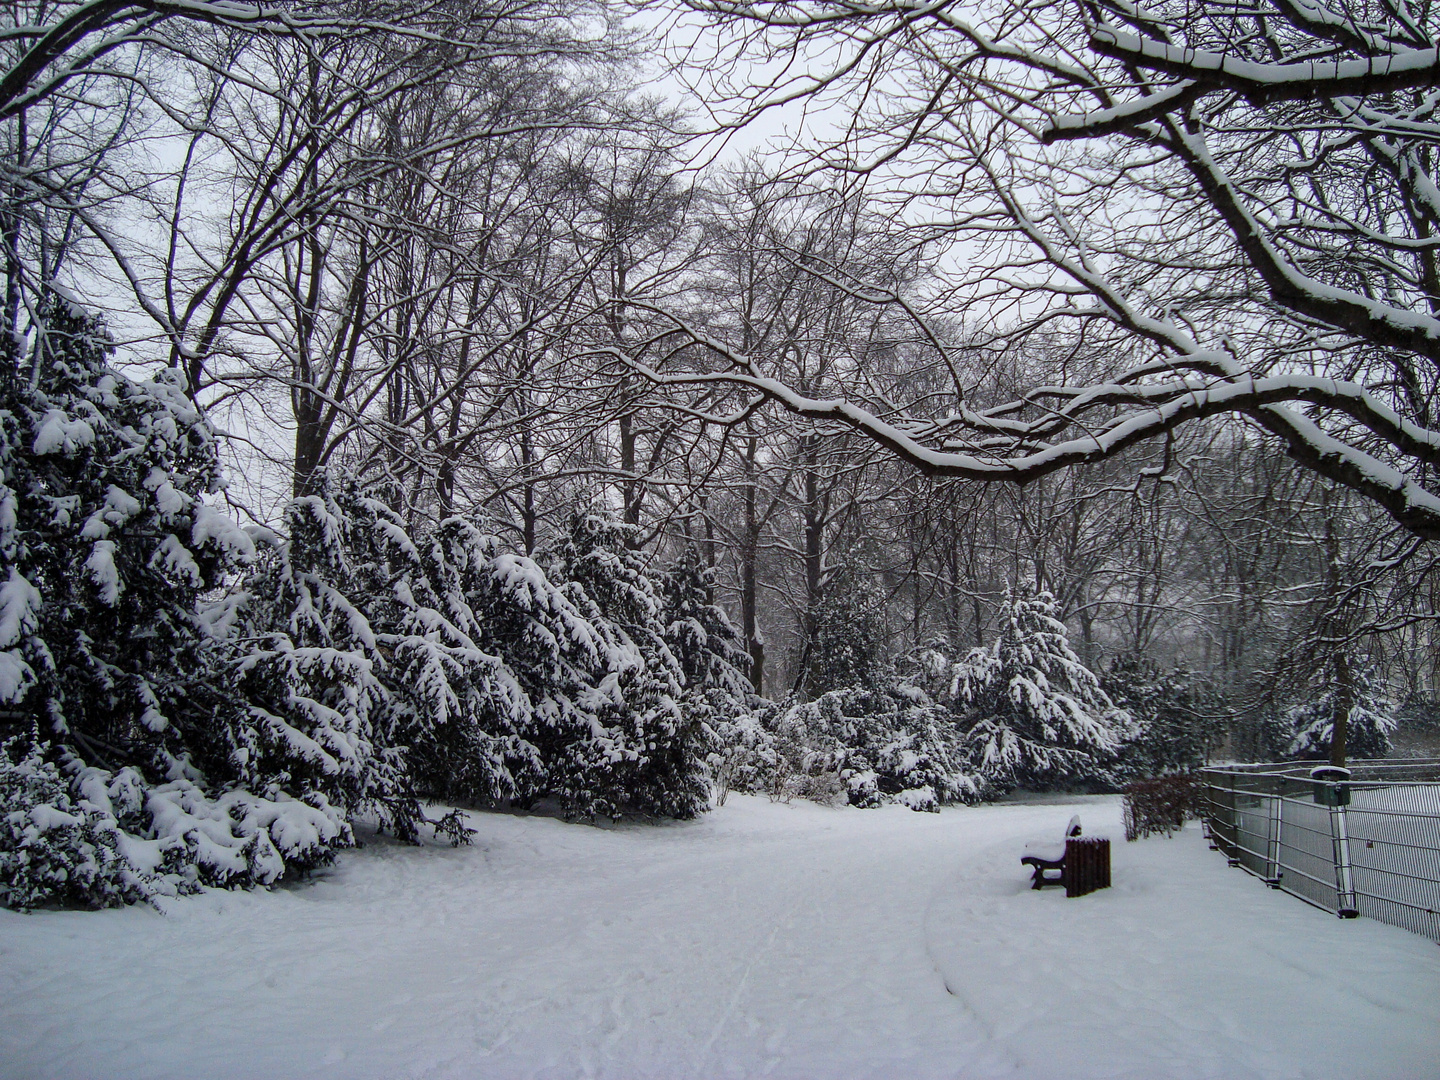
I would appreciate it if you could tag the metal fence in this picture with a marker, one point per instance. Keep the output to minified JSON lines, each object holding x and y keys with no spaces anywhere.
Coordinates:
{"x":1366,"y":845}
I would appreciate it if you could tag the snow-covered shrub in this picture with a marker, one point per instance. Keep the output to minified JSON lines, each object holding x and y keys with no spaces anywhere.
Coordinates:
{"x":745,"y":754}
{"x":53,"y":851}
{"x":77,"y":835}
{"x":1311,"y":722}
{"x":868,"y":748}
{"x":235,"y":838}
{"x":1032,"y":712}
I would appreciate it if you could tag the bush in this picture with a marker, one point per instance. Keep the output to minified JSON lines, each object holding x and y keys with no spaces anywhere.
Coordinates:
{"x":1161,"y":804}
{"x":864,"y":748}
{"x":53,"y":851}
{"x":73,"y":835}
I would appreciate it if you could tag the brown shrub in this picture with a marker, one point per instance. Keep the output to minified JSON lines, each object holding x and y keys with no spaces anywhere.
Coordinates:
{"x":1161,"y":804}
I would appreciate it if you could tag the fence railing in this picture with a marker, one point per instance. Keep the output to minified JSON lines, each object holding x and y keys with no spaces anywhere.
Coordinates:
{"x":1367,"y":844}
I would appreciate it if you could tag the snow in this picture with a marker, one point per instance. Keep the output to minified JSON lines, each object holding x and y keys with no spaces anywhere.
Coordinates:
{"x":1050,"y":852}
{"x":213,"y":524}
{"x":19,"y":601}
{"x":58,"y":433}
{"x":103,"y":573}
{"x":1343,"y":76}
{"x":777,"y":940}
{"x":16,"y":676}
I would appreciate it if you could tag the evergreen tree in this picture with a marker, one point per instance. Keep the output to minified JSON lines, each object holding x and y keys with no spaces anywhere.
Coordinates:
{"x":1170,"y":713}
{"x":883,"y":745}
{"x":305,"y":657}
{"x":845,"y":646}
{"x":106,"y":544}
{"x":494,"y":664}
{"x":643,"y":751}
{"x":128,"y":745}
{"x":1033,"y":713}
{"x":698,"y":632}
{"x":1310,"y":723}
{"x":714,"y":663}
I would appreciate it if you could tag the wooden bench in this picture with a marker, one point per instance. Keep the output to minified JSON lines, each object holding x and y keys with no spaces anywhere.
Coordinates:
{"x":1082,"y":863}
{"x":1043,"y":857}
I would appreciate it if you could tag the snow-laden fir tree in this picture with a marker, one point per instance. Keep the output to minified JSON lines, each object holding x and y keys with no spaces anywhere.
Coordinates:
{"x":700,"y":635}
{"x":462,"y":667}
{"x":1369,"y":719}
{"x":1033,"y":713}
{"x":308,"y":662}
{"x":107,"y":545}
{"x":643,"y":751}
{"x":846,"y":637}
{"x":714,"y":663}
{"x":890,"y":744}
{"x":494,"y":665}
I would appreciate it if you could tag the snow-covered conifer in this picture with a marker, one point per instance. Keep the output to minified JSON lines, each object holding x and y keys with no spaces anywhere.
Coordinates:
{"x":305,"y":658}
{"x":106,"y":543}
{"x":846,"y":640}
{"x":138,"y":742}
{"x":485,"y":649}
{"x":699,"y":633}
{"x":643,"y":751}
{"x":714,"y":662}
{"x":1371,"y":719}
{"x":1172,"y":717}
{"x":882,"y":745}
{"x":1033,"y":712}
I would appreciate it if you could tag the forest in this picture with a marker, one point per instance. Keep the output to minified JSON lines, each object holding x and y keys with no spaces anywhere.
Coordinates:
{"x":412,"y":405}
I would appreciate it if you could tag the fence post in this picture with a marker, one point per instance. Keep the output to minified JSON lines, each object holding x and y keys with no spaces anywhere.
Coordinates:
{"x":1344,"y":881}
{"x":1333,"y":790}
{"x":1272,"y":850}
{"x":1232,"y":849}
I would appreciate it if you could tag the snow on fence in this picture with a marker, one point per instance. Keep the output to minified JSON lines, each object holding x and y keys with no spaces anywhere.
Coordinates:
{"x":1366,"y":845}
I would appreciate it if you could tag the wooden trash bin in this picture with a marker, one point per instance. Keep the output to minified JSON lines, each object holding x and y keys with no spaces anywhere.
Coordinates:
{"x":1087,"y":864}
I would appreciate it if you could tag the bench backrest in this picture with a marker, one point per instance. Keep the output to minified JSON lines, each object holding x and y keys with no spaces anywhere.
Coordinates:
{"x":1073,"y":829}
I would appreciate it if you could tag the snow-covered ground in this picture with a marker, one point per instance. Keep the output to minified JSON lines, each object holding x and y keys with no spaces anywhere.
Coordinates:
{"x":762,"y":940}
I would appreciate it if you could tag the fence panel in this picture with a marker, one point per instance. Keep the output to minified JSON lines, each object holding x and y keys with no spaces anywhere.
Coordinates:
{"x":1307,"y":851}
{"x":1395,"y":853}
{"x":1369,"y":846}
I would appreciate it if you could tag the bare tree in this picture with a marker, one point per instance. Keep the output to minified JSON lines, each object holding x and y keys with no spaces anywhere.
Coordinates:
{"x":320,"y":226}
{"x":1235,"y":205}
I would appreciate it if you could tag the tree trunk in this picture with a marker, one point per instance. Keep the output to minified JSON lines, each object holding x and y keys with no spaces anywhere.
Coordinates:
{"x":1344,"y":703}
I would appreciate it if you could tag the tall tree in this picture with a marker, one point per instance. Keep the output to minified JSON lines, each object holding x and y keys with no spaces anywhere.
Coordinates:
{"x":1281,"y":268}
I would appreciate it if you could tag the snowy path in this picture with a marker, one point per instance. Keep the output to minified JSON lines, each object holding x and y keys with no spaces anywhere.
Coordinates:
{"x":787,"y":941}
